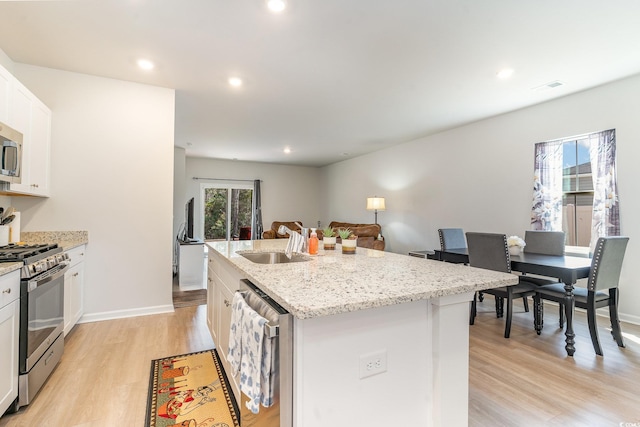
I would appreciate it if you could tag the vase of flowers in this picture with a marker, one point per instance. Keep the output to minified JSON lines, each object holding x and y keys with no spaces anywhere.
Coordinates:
{"x":349,"y":241}
{"x":515,"y":244}
{"x":329,"y":239}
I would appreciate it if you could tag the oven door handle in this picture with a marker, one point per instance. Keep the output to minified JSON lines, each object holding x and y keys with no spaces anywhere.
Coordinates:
{"x":55,"y":273}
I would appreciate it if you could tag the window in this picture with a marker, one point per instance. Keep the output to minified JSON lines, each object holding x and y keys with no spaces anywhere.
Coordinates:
{"x":575,"y":188}
{"x":227,"y":211}
{"x":577,"y":192}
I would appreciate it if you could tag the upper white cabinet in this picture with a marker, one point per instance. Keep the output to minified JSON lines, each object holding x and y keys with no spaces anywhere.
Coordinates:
{"x":5,"y":89}
{"x":29,"y":116}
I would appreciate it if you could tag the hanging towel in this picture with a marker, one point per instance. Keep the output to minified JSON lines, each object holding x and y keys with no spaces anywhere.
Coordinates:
{"x":267,"y":371}
{"x":235,"y":348}
{"x":251,"y":353}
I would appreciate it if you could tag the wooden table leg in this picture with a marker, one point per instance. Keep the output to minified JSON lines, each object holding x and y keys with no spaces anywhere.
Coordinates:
{"x":569,"y":302}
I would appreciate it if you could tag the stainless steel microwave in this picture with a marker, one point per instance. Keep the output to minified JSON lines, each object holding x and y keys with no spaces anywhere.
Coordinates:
{"x":11,"y":154}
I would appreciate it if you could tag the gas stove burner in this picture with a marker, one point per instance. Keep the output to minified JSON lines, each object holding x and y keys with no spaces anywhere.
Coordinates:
{"x":27,"y":253}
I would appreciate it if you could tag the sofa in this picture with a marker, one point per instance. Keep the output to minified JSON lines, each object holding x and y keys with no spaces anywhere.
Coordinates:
{"x":367,"y":233}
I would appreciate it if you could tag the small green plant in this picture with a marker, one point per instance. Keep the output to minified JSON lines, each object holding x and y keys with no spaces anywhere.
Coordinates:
{"x":344,"y":233}
{"x":328,"y":232}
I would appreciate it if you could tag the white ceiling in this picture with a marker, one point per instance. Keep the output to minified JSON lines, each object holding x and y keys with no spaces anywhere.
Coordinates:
{"x":331,"y":79}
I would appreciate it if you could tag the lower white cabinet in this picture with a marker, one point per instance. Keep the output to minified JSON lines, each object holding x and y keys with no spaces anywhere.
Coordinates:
{"x":9,"y":323}
{"x":191,"y":262}
{"x":210,"y":299}
{"x":222,"y":282}
{"x":74,"y":288}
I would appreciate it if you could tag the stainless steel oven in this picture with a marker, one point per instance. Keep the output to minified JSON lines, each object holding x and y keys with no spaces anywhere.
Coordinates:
{"x":41,"y":326}
{"x":41,"y":339}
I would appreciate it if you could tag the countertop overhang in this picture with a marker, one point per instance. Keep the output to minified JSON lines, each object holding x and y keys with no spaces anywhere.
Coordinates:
{"x":332,"y":283}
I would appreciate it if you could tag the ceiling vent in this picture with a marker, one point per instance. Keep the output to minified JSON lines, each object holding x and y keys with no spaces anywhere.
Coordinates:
{"x":547,"y":86}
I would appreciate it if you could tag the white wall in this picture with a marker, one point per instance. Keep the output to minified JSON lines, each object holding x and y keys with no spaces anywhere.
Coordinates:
{"x":111,"y":174}
{"x":6,"y":62}
{"x":179,"y":197}
{"x":289,"y":193}
{"x":479,"y":176}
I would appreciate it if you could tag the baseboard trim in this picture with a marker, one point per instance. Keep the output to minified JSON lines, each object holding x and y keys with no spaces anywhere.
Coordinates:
{"x":601,"y":312}
{"x":121,"y":314}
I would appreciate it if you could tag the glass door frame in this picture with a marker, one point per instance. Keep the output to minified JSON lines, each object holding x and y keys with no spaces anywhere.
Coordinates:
{"x":227,"y":186}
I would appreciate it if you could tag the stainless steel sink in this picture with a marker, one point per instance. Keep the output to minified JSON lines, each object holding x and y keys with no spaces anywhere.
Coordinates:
{"x":273,"y":257}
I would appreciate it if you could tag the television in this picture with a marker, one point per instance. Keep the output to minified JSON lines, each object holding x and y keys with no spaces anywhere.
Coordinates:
{"x":188,"y":222}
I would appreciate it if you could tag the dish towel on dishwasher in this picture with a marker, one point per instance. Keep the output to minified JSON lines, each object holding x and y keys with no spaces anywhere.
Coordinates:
{"x":250,"y":353}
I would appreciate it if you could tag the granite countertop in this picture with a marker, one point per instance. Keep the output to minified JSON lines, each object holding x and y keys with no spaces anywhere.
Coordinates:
{"x":65,"y":239}
{"x":8,"y":267}
{"x":332,"y":283}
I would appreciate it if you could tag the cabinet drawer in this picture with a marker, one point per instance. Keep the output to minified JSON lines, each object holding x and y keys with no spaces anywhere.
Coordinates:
{"x":9,"y":287}
{"x":76,"y":255}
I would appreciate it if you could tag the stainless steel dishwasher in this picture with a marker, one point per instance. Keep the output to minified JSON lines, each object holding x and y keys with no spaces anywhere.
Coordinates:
{"x":280,"y":329}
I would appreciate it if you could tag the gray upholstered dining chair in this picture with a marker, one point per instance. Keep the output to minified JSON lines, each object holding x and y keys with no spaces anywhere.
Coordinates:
{"x":601,"y":290}
{"x":490,"y":251}
{"x":544,"y":242}
{"x":451,"y":238}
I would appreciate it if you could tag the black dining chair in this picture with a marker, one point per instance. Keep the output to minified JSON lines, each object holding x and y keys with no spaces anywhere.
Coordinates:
{"x":490,"y":251}
{"x":601,"y":290}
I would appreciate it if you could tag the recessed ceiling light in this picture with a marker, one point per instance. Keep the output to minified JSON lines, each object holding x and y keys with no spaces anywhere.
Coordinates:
{"x":276,"y":6}
{"x":287,"y":150}
{"x":235,"y":81}
{"x":145,"y":64}
{"x":505,"y":74}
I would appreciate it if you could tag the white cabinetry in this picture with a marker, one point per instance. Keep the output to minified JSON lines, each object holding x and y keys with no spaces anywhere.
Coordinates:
{"x":74,"y":288}
{"x":5,"y":90}
{"x":9,"y":322}
{"x":210,"y":300}
{"x":223,"y":280}
{"x":191,"y":266}
{"x":29,"y":116}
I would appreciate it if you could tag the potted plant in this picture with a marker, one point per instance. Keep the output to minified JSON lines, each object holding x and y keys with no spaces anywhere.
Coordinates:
{"x":349,"y":241}
{"x":328,"y":238}
{"x":516,"y":244}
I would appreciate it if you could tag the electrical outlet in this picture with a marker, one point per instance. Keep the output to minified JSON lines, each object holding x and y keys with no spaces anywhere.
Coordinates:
{"x":373,"y":363}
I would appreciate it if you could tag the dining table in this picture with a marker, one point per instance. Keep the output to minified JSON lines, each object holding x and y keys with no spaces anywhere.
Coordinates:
{"x":567,"y":269}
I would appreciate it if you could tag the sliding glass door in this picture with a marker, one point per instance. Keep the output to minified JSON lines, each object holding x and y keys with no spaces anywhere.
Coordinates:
{"x":227,"y":211}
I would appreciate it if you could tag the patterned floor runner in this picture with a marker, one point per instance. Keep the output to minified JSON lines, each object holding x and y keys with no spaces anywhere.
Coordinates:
{"x":190,"y":390}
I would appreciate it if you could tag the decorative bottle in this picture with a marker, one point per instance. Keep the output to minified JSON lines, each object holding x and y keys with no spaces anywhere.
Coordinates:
{"x":313,"y":242}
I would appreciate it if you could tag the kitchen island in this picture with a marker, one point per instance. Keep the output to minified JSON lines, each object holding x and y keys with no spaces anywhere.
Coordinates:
{"x":411,"y":313}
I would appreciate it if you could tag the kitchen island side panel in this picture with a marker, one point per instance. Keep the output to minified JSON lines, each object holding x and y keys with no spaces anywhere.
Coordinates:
{"x":328,"y":390}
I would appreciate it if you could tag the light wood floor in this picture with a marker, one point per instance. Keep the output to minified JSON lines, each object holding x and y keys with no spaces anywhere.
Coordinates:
{"x":526,"y":380}
{"x":103,"y":377}
{"x":187,"y":298}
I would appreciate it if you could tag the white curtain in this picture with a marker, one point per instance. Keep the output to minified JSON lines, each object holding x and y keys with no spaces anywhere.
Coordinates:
{"x":606,"y":209}
{"x":546,"y":211}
